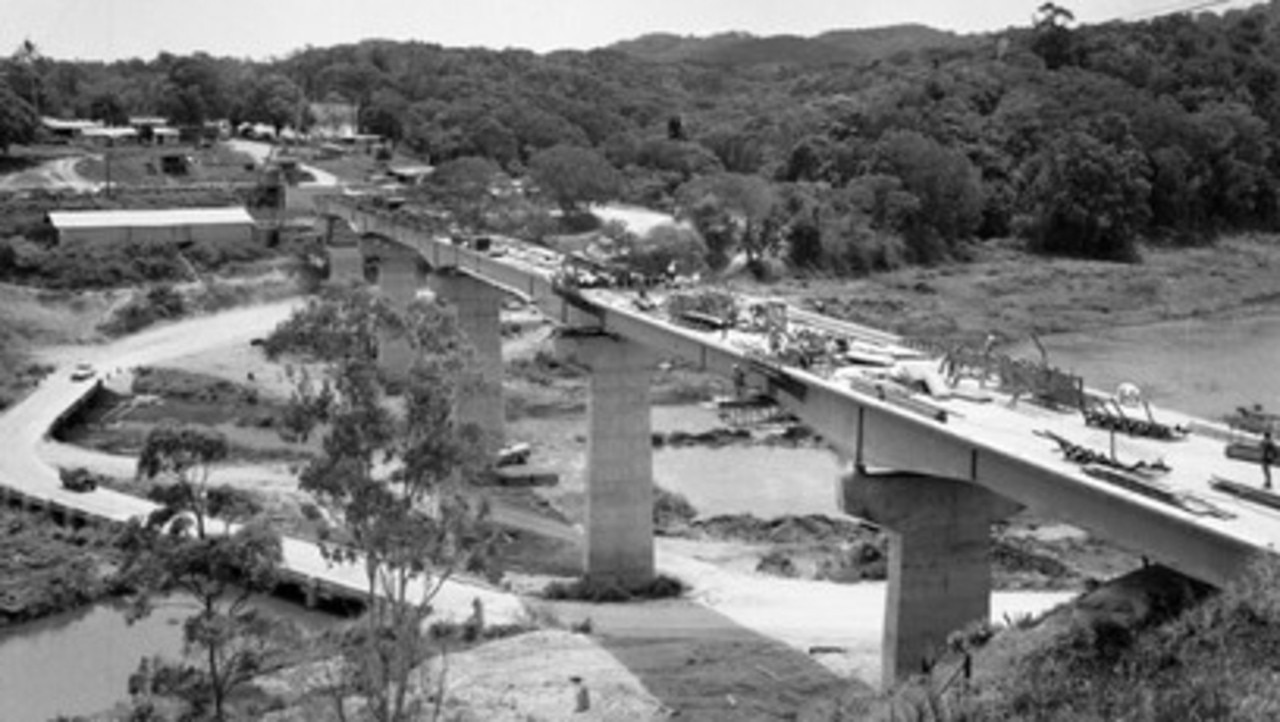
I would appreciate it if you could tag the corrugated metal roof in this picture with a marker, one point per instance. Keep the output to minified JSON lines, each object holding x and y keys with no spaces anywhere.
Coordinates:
{"x":149,"y":218}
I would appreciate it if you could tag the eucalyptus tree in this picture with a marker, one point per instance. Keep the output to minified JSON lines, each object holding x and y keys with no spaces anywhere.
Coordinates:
{"x":393,"y":472}
{"x":193,"y":545}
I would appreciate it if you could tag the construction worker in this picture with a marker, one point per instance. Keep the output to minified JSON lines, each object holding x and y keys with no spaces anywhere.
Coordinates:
{"x":1270,"y":454}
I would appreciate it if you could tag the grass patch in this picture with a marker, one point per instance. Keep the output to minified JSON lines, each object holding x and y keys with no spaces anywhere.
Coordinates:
{"x":142,"y":166}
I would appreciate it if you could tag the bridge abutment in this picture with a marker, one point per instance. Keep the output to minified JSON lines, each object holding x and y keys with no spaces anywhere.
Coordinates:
{"x":477,"y":305}
{"x":939,"y":566}
{"x":619,"y":538}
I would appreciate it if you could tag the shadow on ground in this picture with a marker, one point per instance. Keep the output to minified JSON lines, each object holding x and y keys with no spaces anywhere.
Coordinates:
{"x":702,"y":665}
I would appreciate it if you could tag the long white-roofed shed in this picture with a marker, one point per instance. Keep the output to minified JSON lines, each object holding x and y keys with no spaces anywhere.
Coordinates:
{"x":174,"y":225}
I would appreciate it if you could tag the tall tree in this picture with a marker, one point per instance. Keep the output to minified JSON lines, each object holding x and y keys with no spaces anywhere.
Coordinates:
{"x":195,"y":91}
{"x":272,"y":99}
{"x":733,"y":212}
{"x":573,"y":176}
{"x":18,"y":120}
{"x":384,"y":115}
{"x":394,"y":480}
{"x":26,"y":74}
{"x":107,"y":108}
{"x":946,"y":184}
{"x":1090,"y":198}
{"x":179,"y":548}
{"x":1053,"y":39}
{"x":465,"y":187}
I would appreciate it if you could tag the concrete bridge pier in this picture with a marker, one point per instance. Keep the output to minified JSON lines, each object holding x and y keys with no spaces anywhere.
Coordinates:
{"x":939,"y":566}
{"x":346,"y":260}
{"x":619,"y":544}
{"x":478,"y":305}
{"x":398,"y":282}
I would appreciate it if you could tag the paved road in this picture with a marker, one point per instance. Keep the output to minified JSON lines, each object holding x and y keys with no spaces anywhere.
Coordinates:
{"x":24,"y":427}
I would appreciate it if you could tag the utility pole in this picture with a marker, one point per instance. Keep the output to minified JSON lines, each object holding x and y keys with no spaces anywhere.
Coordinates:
{"x":106,"y":154}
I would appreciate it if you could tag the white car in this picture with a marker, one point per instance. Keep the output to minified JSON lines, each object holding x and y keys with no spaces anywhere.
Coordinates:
{"x":82,"y":372}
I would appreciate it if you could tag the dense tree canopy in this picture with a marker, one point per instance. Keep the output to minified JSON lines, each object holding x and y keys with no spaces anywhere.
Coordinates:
{"x":908,"y":144}
{"x":17,"y":119}
{"x":574,"y":177}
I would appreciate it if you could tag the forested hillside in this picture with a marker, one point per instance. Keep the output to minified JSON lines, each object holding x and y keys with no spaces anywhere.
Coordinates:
{"x":845,"y":153}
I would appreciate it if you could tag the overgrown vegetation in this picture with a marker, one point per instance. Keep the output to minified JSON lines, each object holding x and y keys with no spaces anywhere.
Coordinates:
{"x":1176,"y":657}
{"x":50,"y":568}
{"x":603,"y":590}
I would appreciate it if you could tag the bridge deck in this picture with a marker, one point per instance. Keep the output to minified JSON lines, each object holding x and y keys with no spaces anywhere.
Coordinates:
{"x":1176,"y":517}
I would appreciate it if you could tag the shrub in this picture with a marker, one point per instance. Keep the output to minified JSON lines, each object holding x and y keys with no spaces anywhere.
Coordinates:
{"x":605,"y":590}
{"x":143,"y":309}
{"x":671,"y":511}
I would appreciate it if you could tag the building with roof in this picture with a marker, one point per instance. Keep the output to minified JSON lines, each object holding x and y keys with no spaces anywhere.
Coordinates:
{"x":109,"y":136}
{"x":67,"y":129}
{"x":410,"y":175}
{"x":169,"y":225}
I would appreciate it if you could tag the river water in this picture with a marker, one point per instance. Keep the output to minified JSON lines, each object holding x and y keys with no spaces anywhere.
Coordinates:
{"x":761,"y":480}
{"x":79,"y":662}
{"x":1205,"y":368}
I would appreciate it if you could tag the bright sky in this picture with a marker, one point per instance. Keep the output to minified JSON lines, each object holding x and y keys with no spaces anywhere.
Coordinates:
{"x":112,"y":29}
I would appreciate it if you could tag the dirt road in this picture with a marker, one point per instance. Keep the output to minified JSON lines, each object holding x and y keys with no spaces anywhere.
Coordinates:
{"x":56,"y":174}
{"x":262,"y":151}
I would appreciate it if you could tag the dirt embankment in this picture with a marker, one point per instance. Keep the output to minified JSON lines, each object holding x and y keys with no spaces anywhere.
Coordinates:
{"x":1025,"y":555}
{"x":31,"y":318}
{"x":118,"y":422}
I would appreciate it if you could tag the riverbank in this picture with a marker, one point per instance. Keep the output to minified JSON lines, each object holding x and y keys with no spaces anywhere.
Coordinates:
{"x":1012,"y":294}
{"x":47,"y":568}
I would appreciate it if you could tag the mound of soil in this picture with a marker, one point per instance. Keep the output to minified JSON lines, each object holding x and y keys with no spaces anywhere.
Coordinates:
{"x":789,"y":529}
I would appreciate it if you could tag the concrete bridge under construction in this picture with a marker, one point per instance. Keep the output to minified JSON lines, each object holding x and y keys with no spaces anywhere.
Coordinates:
{"x":933,"y":457}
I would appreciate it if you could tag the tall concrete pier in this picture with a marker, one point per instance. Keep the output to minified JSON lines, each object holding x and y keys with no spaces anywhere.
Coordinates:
{"x":939,"y":566}
{"x":619,"y":457}
{"x":398,"y":281}
{"x":346,"y":261}
{"x":477,"y":305}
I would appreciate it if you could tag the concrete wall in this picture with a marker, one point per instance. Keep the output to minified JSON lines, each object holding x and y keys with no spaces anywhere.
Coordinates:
{"x":228,"y":233}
